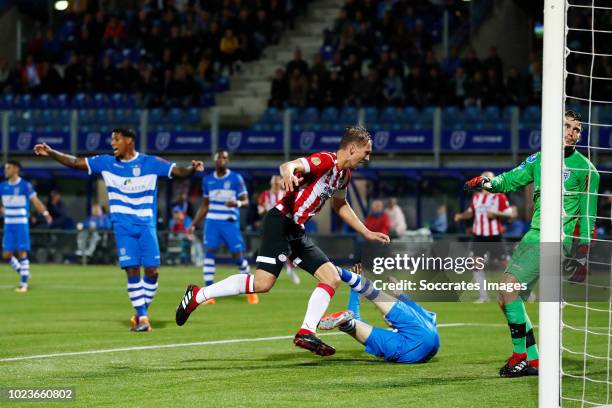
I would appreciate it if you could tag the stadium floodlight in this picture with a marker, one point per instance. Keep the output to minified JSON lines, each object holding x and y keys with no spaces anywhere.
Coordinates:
{"x":61,"y":5}
{"x":552,"y":170}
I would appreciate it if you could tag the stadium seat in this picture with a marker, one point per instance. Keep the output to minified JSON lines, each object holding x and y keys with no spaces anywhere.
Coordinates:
{"x":156,"y":116}
{"x":451,"y":114}
{"x":99,"y":100}
{"x":349,"y":115}
{"x":193,"y":116}
{"x":207,"y":100}
{"x":472,"y":113}
{"x":329,"y":115}
{"x":491,"y":113}
{"x":271,"y":116}
{"x":119,"y":117}
{"x":409,"y":113}
{"x":44,"y":101}
{"x":389,"y":115}
{"x":371,"y":115}
{"x":102,"y":116}
{"x":222,"y":84}
{"x":309,"y":116}
{"x":80,"y":101}
{"x":86,"y":116}
{"x":175,"y":116}
{"x":23,"y":102}
{"x":62,"y":101}
{"x":532,"y":114}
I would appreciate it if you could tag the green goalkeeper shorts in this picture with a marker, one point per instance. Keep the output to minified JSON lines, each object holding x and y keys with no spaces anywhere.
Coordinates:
{"x":525,"y":261}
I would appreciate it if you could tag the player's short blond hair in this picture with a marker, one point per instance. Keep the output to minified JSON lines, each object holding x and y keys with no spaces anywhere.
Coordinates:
{"x":355,"y":134}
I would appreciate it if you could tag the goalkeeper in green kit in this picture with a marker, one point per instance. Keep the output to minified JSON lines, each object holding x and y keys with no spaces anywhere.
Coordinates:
{"x":580,"y":186}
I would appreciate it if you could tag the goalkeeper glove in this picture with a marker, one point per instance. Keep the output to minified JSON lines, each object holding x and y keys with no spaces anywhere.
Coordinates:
{"x":477,"y":184}
{"x":576,"y":266}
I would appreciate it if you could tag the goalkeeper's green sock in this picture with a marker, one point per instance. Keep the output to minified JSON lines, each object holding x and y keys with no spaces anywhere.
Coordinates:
{"x":530,"y":341}
{"x":517,"y":318}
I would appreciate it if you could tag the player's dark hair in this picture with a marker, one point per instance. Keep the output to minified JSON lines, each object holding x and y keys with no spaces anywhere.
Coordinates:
{"x":14,"y":163}
{"x":573,"y":115}
{"x":125,"y":132}
{"x":355,"y":134}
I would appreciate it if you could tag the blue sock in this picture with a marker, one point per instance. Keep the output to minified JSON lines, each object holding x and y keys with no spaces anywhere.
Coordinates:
{"x":149,"y":286}
{"x":353,"y":304}
{"x":243,"y":265}
{"x":137,"y":296}
{"x":358,"y":283}
{"x":209,"y":268}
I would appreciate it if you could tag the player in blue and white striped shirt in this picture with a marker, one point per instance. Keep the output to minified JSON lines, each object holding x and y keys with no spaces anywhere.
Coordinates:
{"x":16,"y":197}
{"x":131,"y":182}
{"x":224,"y":192}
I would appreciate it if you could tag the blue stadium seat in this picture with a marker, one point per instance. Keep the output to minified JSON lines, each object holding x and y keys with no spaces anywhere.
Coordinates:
{"x":271,"y":116}
{"x":532,"y":114}
{"x":80,"y":101}
{"x":472,"y":113}
{"x":389,"y":115}
{"x":349,"y":115}
{"x":309,"y":116}
{"x":102,"y":116}
{"x":156,"y":116}
{"x":175,"y":116}
{"x":62,"y":101}
{"x":451,"y":114}
{"x":23,"y":102}
{"x":329,"y":115}
{"x":119,"y":116}
{"x":605,"y":115}
{"x":371,"y":116}
{"x":222,"y":84}
{"x":99,"y":100}
{"x":86,"y":116}
{"x":409,"y":113}
{"x":193,"y":116}
{"x":6,"y":101}
{"x":491,"y":113}
{"x":44,"y":101}
{"x":207,"y":100}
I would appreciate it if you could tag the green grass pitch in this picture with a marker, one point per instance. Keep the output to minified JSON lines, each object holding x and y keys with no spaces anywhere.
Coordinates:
{"x":86,"y":308}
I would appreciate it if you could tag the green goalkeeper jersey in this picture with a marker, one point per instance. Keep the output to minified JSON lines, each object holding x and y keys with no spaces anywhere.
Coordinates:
{"x":579,"y":177}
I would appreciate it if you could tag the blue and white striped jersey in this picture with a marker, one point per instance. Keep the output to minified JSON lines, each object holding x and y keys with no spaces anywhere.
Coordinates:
{"x":16,"y":201}
{"x":219,"y":190}
{"x":131,"y":186}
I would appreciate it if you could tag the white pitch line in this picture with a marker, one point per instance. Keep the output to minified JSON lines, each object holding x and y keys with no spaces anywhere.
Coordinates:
{"x":200,"y":343}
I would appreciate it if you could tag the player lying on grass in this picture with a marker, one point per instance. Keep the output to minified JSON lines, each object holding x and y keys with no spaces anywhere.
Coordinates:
{"x":309,"y":182}
{"x":580,"y":186}
{"x":413,"y":337}
{"x":131,"y":181}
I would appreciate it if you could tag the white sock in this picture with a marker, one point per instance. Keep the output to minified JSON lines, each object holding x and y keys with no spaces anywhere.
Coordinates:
{"x":479,"y":277}
{"x":230,"y":286}
{"x":14,"y":264}
{"x":317,"y":305}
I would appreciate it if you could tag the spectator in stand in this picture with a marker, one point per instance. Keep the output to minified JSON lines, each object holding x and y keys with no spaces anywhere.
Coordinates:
{"x":515,"y":88}
{"x":297,"y":63}
{"x":89,"y":231}
{"x":228,"y":47}
{"x":298,"y":89}
{"x":458,"y":87}
{"x":471,"y":63}
{"x":316,"y":92}
{"x":495,"y":93}
{"x":535,"y":82}
{"x":318,"y":67}
{"x":30,"y":76}
{"x":183,"y":204}
{"x":415,"y":87}
{"x":371,"y":95}
{"x":475,"y":89}
{"x":378,"y":220}
{"x":397,"y":220}
{"x":493,"y":61}
{"x":57,"y":210}
{"x":279,"y":90}
{"x":439,"y":224}
{"x":335,"y":90}
{"x":357,"y":90}
{"x":452,"y":62}
{"x":114,"y":33}
{"x":393,"y":92}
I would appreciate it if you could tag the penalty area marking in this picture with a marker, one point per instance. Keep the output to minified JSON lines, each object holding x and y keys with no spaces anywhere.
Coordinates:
{"x":203,"y":343}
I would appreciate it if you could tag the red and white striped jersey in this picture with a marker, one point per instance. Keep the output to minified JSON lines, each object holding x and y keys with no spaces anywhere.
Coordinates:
{"x":481,"y":203}
{"x":269,"y":199}
{"x":322,"y":178}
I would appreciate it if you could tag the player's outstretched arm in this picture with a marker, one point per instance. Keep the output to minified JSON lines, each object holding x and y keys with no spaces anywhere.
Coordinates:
{"x":182,"y":172}
{"x":40,"y":207}
{"x":67,"y":160}
{"x":287,"y":173}
{"x":466,"y":215}
{"x":344,"y":210}
{"x":202,"y":211}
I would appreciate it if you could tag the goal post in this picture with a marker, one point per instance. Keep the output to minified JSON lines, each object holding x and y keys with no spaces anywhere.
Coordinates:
{"x":551,"y":202}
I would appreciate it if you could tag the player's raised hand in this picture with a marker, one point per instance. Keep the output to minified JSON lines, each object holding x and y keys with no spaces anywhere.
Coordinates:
{"x":42,"y":149}
{"x":477,"y":184}
{"x":48,"y":218}
{"x":357,"y":268}
{"x":290,"y":181}
{"x":197,"y":165}
{"x":377,"y":237}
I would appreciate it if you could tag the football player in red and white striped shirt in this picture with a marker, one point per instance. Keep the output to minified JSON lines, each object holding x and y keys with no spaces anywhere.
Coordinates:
{"x":268,"y":200}
{"x":308,"y":182}
{"x":488,"y":210}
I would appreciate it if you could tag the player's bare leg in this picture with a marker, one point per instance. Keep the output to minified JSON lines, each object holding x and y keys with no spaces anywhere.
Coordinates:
{"x":521,"y":331}
{"x":317,"y":305}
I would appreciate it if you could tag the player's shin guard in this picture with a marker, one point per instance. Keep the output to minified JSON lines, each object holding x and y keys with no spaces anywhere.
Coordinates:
{"x":14,"y":264}
{"x":149,"y":285}
{"x":24,"y":270}
{"x":517,"y":317}
{"x":243,"y":265}
{"x":530,"y":342}
{"x":137,"y":295}
{"x":230,"y":286}
{"x":358,"y":283}
{"x":209,"y":268}
{"x":317,"y":305}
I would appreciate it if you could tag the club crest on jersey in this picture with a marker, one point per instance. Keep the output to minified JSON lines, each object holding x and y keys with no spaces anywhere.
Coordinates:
{"x":136,"y":171}
{"x":566,"y":174}
{"x":327,"y":193}
{"x":316,"y":161}
{"x":227,"y":185}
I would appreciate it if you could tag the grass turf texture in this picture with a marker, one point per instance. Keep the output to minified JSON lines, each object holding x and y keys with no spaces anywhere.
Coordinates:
{"x":76,"y":308}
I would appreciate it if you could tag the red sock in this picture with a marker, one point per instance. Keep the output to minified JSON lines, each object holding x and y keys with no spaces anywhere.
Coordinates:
{"x":535,"y":363}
